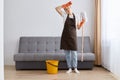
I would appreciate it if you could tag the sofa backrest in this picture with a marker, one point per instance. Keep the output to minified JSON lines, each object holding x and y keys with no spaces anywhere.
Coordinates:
{"x":48,"y":45}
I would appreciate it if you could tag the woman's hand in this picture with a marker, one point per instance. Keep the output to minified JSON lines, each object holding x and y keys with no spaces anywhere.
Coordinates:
{"x":67,"y":4}
{"x":80,"y":24}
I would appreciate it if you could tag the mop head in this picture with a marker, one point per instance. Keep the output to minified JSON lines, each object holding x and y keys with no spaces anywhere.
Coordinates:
{"x":83,"y":18}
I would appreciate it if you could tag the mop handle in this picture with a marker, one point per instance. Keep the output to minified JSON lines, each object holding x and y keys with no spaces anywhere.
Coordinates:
{"x":82,"y":44}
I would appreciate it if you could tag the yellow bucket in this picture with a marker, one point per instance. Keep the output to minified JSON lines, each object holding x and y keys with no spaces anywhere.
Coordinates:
{"x":52,"y":66}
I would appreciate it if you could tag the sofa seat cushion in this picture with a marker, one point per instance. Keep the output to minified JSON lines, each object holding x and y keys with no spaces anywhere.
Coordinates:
{"x":49,"y":56}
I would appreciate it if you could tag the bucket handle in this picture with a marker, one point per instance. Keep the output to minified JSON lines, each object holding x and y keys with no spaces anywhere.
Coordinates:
{"x":52,"y":64}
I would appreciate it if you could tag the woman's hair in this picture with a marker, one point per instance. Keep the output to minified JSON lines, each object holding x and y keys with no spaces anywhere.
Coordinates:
{"x":67,"y":9}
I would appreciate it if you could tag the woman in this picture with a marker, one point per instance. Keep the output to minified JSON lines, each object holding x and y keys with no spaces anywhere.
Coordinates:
{"x":69,"y":37}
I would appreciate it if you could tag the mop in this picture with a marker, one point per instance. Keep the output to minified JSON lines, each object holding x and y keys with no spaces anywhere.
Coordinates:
{"x":83,"y":16}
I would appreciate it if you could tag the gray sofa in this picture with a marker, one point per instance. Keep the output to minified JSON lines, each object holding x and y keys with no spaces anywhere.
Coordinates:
{"x":33,"y":51}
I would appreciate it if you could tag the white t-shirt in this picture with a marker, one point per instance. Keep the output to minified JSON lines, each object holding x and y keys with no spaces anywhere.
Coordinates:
{"x":78,"y":18}
{"x":64,"y":15}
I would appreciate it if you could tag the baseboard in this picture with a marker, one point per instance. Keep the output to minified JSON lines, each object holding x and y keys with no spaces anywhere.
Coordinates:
{"x":116,"y":76}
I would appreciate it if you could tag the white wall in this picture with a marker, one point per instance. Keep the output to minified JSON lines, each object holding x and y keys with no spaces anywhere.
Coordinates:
{"x":39,"y":18}
{"x":1,"y":41}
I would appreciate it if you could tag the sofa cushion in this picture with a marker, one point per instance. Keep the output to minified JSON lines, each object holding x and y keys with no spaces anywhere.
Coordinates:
{"x":49,"y":56}
{"x":48,"y":45}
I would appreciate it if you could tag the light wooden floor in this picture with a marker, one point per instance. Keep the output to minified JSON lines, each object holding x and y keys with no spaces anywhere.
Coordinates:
{"x":97,"y":73}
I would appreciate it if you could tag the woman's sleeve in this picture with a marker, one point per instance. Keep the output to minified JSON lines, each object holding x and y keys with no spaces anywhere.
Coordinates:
{"x":64,"y":15}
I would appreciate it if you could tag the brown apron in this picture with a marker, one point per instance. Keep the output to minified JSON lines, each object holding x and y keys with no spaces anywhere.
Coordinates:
{"x":69,"y":37}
